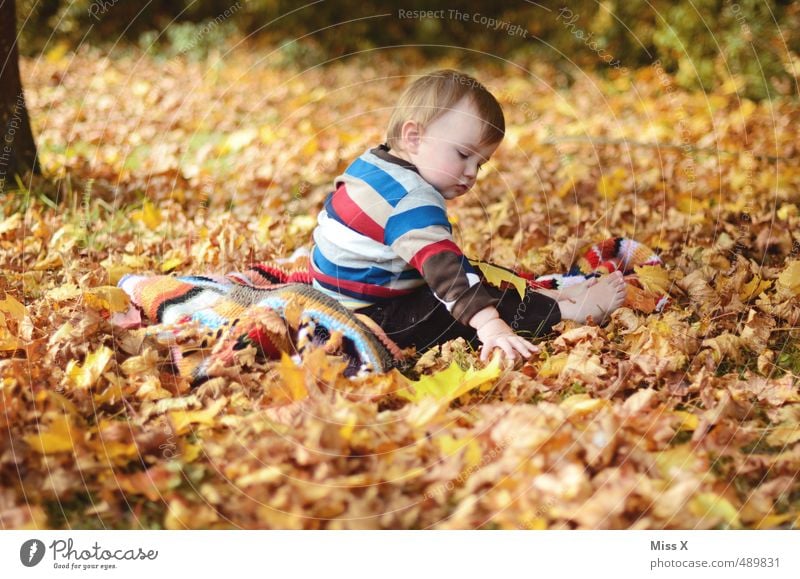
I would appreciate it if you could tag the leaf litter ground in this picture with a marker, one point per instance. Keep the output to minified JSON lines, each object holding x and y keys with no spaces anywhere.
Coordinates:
{"x":683,"y":419}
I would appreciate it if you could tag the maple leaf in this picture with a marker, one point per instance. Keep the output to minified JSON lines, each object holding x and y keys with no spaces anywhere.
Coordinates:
{"x":497,"y":276}
{"x":449,"y":384}
{"x":653,"y":278}
{"x":85,"y":375}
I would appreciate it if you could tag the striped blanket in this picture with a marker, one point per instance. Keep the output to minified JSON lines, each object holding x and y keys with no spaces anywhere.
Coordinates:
{"x":273,"y":308}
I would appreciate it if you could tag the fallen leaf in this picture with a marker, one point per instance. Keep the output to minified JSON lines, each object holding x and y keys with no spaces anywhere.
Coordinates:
{"x":86,"y":375}
{"x":449,"y":384}
{"x":653,"y":278}
{"x":109,"y":298}
{"x":58,"y":436}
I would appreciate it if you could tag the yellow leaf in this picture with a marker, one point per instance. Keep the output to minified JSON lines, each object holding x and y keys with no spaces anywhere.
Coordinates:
{"x":130,"y":264}
{"x":733,"y":85}
{"x":654,"y":278}
{"x":787,"y":210}
{"x":191,"y":452}
{"x":171,"y":264}
{"x":85,"y":376}
{"x":582,"y":404}
{"x":754,"y":288}
{"x":712,"y":505}
{"x":773,"y":521}
{"x":8,"y":342}
{"x":116,"y":272}
{"x":294,"y":378}
{"x":110,"y":298}
{"x":693,"y":206}
{"x":553,"y":366}
{"x":310,"y":147}
{"x":346,"y":431}
{"x":115,"y":452}
{"x":182,"y":420}
{"x":689,"y":421}
{"x":262,"y":229}
{"x":790,"y":278}
{"x":451,"y":383}
{"x":610,"y":185}
{"x":451,"y":445}
{"x":58,"y":437}
{"x":110,"y":394}
{"x":148,"y":215}
{"x":57,"y":53}
{"x":11,"y":306}
{"x":497,"y":275}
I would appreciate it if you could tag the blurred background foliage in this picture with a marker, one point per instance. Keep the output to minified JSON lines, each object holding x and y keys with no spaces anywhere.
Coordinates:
{"x":750,"y":45}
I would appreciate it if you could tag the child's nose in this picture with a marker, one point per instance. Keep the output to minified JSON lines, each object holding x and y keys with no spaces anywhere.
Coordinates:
{"x":471,"y":170}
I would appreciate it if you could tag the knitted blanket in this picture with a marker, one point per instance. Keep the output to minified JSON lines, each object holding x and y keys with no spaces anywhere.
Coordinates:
{"x":272,"y":307}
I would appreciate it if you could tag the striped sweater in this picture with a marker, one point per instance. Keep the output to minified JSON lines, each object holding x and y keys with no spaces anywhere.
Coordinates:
{"x":383,"y":233}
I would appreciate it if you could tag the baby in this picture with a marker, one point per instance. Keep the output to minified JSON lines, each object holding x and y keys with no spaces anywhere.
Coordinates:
{"x":384,"y":245}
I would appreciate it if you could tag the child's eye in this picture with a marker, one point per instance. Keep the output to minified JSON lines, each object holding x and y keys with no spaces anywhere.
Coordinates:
{"x":462,"y":155}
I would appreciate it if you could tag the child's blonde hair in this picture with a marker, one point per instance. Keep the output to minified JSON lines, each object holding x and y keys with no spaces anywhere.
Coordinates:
{"x":430,"y":96}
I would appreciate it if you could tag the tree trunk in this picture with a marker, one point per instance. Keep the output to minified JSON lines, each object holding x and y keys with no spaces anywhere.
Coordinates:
{"x":17,"y":147}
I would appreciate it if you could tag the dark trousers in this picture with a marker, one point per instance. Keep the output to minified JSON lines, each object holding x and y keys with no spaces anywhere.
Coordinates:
{"x":421,"y":320}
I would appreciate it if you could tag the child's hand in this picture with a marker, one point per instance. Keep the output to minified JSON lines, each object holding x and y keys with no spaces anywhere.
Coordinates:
{"x":495,"y":333}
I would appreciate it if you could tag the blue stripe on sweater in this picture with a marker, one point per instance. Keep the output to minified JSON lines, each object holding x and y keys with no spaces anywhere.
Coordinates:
{"x":371,"y":275}
{"x":381,"y":181}
{"x":417,"y":218}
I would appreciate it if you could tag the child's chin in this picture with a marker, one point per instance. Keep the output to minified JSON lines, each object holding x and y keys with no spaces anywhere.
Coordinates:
{"x":454,"y":192}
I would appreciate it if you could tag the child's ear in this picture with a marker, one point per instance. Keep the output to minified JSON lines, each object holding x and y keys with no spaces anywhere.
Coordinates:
{"x":411,"y":133}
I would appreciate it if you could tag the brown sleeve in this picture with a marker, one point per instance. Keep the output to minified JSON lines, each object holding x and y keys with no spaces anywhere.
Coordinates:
{"x":456,"y":285}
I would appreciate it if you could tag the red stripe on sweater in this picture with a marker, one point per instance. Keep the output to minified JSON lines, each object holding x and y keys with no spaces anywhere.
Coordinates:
{"x":353,"y":216}
{"x":419,"y":259}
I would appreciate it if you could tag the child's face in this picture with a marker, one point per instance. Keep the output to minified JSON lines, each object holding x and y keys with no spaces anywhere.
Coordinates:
{"x":448,"y":152}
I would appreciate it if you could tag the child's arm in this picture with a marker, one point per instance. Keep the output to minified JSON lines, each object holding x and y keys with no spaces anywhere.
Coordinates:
{"x":493,"y":333}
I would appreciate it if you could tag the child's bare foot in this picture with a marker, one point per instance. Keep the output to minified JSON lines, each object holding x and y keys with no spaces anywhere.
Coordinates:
{"x":598,"y":300}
